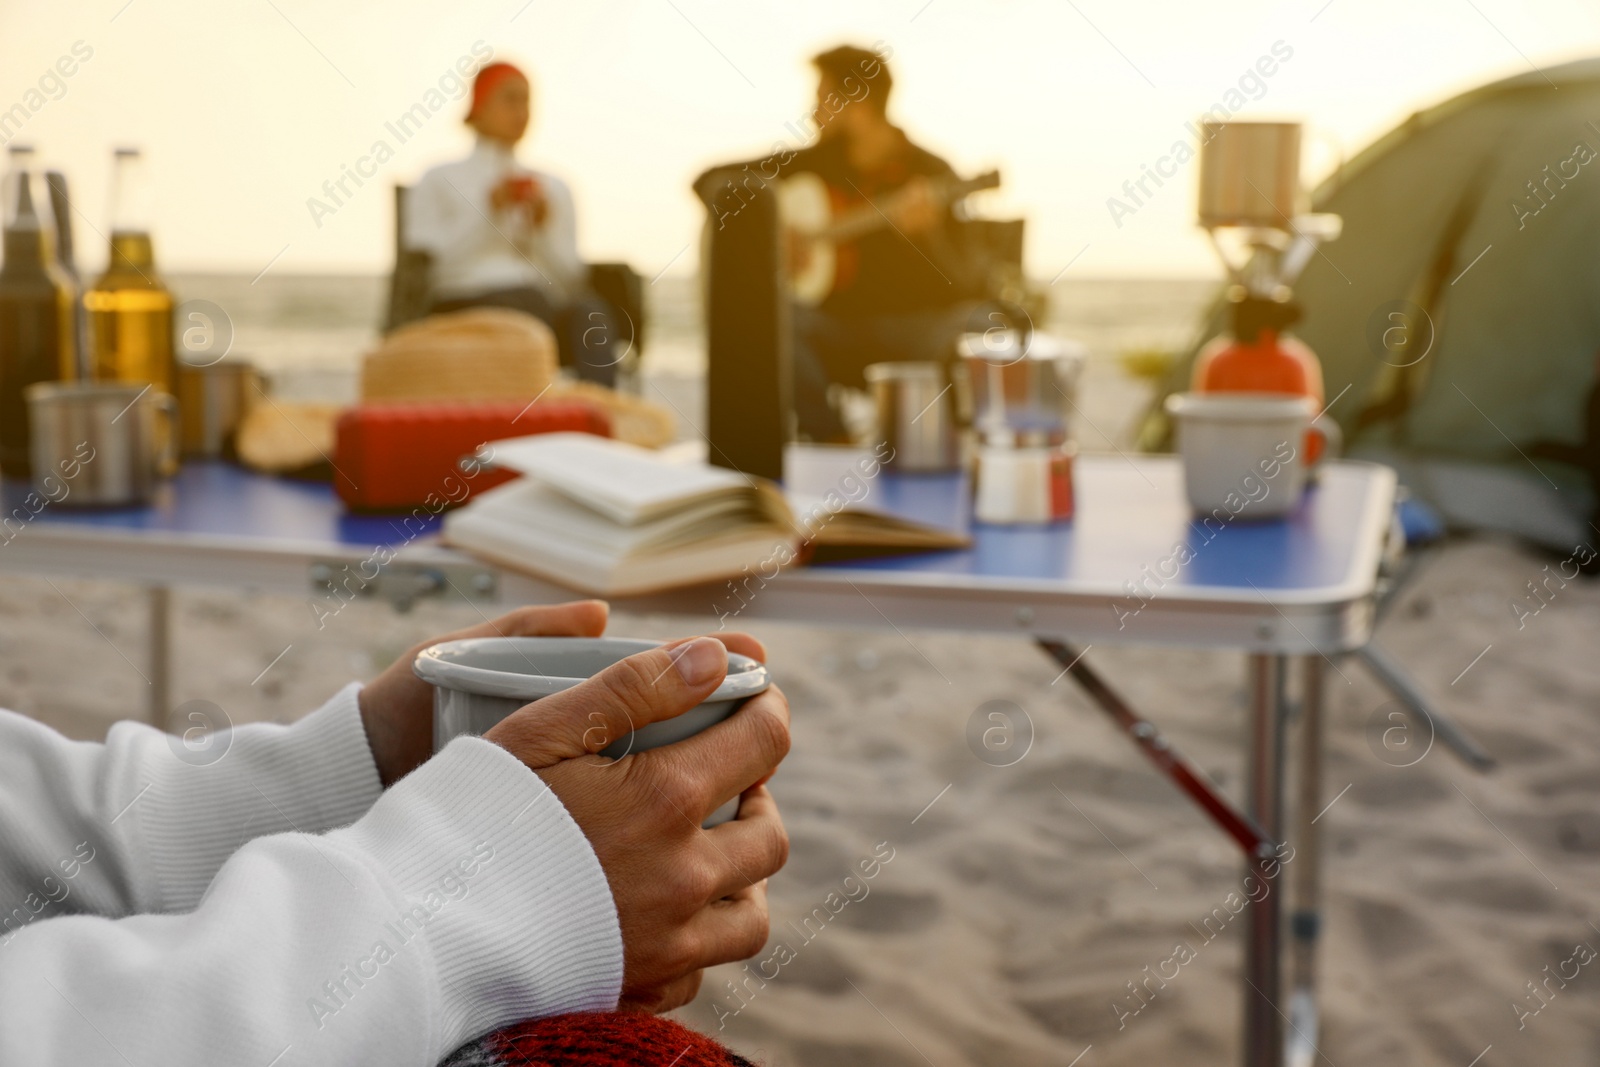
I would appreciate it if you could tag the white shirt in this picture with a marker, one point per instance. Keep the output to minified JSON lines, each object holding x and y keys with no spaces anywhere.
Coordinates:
{"x":278,"y":906}
{"x":478,"y":250}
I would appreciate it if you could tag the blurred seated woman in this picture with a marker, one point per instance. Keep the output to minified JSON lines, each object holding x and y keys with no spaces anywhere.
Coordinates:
{"x":504,"y":235}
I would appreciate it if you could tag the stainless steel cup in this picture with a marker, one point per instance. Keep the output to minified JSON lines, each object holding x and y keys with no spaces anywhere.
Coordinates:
{"x":111,"y":436}
{"x":916,"y":416}
{"x":214,"y":400}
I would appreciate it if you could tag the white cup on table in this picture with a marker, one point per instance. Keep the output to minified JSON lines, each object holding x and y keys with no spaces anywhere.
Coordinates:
{"x":1243,"y":453}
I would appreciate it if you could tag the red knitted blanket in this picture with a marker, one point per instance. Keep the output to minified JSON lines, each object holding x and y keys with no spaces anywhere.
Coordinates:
{"x":596,"y":1038}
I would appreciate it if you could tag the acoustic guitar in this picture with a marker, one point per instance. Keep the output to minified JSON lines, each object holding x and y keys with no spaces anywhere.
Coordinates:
{"x":807,"y":215}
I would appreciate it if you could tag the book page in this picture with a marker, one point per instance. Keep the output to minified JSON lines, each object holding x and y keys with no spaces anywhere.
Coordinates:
{"x":625,"y":483}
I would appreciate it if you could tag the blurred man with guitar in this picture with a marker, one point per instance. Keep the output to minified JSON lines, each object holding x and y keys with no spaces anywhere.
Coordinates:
{"x":876,"y":264}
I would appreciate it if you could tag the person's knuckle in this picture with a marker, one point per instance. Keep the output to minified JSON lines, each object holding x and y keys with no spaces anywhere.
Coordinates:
{"x":676,"y":796}
{"x":633,"y":681}
{"x":683,"y":952}
{"x":753,"y":937}
{"x":777,"y":846}
{"x":688,"y":882}
{"x":773,"y":731}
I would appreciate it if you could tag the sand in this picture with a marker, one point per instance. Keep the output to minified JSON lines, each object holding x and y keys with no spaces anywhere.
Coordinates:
{"x":1016,"y":902}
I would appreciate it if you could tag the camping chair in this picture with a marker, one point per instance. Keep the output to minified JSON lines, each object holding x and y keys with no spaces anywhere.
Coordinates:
{"x":410,"y":292}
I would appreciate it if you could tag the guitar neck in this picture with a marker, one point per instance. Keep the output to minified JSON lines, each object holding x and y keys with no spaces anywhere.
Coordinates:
{"x":859,"y":221}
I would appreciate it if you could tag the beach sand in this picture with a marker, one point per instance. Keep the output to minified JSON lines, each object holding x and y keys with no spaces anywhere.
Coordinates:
{"x":1017,"y":902}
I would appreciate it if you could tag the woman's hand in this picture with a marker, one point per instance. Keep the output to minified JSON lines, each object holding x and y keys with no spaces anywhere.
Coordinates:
{"x":397,"y":706}
{"x":525,"y":193}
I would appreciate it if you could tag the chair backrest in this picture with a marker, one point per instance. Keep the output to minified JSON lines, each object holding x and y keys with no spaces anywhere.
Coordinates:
{"x":621,"y":286}
{"x":410,"y":283}
{"x":747,"y":331}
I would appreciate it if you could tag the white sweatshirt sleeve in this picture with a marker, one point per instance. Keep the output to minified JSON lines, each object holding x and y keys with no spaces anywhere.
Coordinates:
{"x":465,"y":899}
{"x":142,"y":823}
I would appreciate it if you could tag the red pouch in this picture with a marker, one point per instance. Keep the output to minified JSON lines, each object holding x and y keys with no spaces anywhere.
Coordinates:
{"x":397,"y":456}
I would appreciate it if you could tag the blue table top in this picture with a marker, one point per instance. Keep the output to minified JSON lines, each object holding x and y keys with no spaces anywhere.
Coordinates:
{"x":220,"y":500}
{"x":1131,"y":526}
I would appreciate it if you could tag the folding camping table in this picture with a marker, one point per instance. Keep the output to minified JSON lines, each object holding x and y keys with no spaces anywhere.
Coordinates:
{"x":1131,"y":567}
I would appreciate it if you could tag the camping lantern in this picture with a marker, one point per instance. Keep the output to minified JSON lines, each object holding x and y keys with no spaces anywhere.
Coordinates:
{"x":1249,"y":206}
{"x":1249,"y":174}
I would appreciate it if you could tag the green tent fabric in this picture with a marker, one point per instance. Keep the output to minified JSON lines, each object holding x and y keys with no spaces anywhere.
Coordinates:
{"x":1459,"y":312}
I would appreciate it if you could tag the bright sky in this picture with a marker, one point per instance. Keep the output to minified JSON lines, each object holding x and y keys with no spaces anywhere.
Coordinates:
{"x":246,"y":108}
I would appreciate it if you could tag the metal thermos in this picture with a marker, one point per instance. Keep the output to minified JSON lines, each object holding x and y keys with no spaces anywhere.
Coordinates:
{"x":104,"y":441}
{"x":916,"y":416}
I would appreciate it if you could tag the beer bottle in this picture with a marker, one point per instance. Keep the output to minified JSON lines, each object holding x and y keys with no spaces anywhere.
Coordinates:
{"x":61,"y":209}
{"x":37,"y":305}
{"x":130,"y":309}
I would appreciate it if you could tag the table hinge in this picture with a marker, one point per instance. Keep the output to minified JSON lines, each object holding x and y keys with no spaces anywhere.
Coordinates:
{"x":401,"y":584}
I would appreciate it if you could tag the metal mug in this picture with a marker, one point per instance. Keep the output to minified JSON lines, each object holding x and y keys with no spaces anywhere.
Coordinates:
{"x":214,"y":400}
{"x":916,"y":416}
{"x":109,"y":433}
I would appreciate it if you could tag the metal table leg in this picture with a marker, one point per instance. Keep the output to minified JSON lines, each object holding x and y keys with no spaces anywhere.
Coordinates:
{"x":160,"y":631}
{"x":1305,"y":917}
{"x":1430,"y":721}
{"x":1168,"y":760}
{"x":1257,"y":830}
{"x":1263,"y":1023}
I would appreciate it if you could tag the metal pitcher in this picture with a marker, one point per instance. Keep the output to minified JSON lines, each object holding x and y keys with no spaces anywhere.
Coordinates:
{"x":109,"y":442}
{"x":1021,"y":387}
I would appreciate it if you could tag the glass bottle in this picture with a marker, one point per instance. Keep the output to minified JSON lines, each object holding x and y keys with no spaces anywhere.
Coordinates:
{"x":37,"y":305}
{"x":61,"y":207}
{"x":130,"y":308}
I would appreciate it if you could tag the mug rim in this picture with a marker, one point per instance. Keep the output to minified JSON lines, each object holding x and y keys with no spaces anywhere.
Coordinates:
{"x":902,"y":370}
{"x":93,"y":390}
{"x":441,"y":665}
{"x":1240,"y":405}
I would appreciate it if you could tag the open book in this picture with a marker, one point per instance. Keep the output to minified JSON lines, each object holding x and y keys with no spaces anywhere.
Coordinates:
{"x":610,"y":518}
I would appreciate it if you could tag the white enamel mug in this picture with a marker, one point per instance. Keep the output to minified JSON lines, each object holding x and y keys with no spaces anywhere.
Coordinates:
{"x":479,"y":681}
{"x":1243,"y":453}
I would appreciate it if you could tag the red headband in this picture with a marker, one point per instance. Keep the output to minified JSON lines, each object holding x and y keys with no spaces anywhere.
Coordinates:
{"x":489,"y":79}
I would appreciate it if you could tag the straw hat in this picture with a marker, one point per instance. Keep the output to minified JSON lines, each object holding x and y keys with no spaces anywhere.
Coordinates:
{"x":633,"y":419}
{"x":476,"y":354}
{"x":496,"y":354}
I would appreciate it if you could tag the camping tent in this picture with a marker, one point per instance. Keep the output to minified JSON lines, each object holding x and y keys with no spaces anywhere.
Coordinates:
{"x":1459,"y":312}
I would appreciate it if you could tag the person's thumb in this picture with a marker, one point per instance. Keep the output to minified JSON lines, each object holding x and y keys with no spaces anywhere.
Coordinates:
{"x":644,"y":688}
